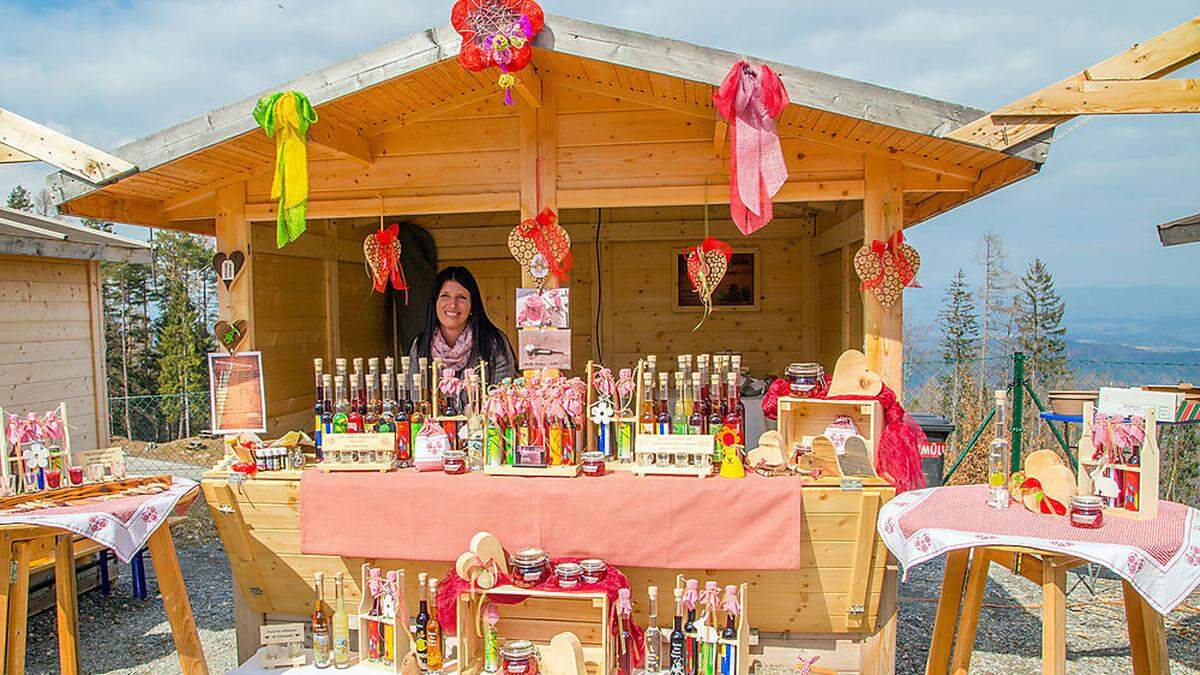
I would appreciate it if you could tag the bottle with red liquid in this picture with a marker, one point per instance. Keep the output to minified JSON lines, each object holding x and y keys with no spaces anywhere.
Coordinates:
{"x":741,"y":405}
{"x":733,"y":420}
{"x":354,"y":420}
{"x":696,"y":422}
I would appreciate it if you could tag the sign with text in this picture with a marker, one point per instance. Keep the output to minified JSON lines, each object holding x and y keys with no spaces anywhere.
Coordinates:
{"x":690,"y":444}
{"x":358,"y":443}
{"x":235,"y":393}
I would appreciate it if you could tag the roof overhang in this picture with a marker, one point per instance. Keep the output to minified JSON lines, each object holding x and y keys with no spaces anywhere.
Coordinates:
{"x":29,"y":234}
{"x":1182,"y":231}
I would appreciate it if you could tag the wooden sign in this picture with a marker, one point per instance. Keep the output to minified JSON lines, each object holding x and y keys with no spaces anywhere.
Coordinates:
{"x":236,"y":394}
{"x":359,"y":443}
{"x":284,"y":645}
{"x":698,"y":449}
{"x":358,"y":452}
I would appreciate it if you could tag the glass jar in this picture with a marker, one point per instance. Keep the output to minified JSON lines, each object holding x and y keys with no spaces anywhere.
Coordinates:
{"x":1087,"y":511}
{"x":530,"y":567}
{"x":593,"y":463}
{"x":568,"y":574}
{"x":594,"y":570}
{"x":519,"y":657}
{"x":805,"y":377}
{"x":454,"y":461}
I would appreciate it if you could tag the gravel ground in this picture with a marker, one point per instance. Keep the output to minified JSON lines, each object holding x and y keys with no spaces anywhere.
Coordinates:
{"x":121,"y":634}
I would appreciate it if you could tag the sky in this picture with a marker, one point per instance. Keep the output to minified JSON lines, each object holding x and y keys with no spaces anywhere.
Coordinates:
{"x":108,"y":71}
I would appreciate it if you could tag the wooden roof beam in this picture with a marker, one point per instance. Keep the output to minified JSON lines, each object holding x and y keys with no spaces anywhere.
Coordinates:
{"x":12,"y":155}
{"x":529,"y":87}
{"x":26,"y":137}
{"x":404,"y":119}
{"x":1148,"y":60}
{"x":720,"y":132}
{"x":342,"y":141}
{"x":116,"y":208}
{"x":1110,"y":97}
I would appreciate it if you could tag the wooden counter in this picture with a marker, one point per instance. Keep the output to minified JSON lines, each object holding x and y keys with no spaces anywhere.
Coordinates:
{"x":840,"y":604}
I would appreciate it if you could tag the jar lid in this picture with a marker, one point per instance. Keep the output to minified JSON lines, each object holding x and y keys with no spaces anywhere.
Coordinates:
{"x":568,"y":569}
{"x":454,"y":454}
{"x":1087,"y":501}
{"x":593,"y":565}
{"x":517,"y":649}
{"x":593,"y":456}
{"x":529,"y":556}
{"x":804,"y":369}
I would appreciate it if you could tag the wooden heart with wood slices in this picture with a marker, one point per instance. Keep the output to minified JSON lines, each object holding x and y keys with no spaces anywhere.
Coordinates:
{"x":707,"y":263}
{"x":542,"y":247}
{"x":228,"y":266}
{"x":230,"y":335}
{"x":887,"y":268}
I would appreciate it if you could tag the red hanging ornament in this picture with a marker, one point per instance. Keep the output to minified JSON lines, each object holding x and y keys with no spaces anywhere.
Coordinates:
{"x":542,"y":246}
{"x":707,"y":263}
{"x":887,"y":268}
{"x":497,"y":33}
{"x":382,"y":251}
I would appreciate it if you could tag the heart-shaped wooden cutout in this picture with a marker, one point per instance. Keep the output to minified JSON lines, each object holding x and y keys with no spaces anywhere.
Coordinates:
{"x":230,"y":335}
{"x":852,"y":378}
{"x":525,"y":250}
{"x":868,"y":266}
{"x":715,"y":266}
{"x":476,"y":561}
{"x":236,"y":261}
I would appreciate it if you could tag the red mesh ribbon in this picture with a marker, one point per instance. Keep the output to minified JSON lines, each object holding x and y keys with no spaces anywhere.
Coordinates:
{"x":897,"y":453}
{"x":389,"y":268}
{"x":547,"y":236}
{"x":893,"y":247}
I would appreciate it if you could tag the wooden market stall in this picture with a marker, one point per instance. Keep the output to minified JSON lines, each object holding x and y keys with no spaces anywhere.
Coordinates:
{"x":617,"y":131}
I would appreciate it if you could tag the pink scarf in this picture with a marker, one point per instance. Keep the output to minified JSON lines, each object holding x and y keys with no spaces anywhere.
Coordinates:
{"x":750,"y":101}
{"x":452,"y":357}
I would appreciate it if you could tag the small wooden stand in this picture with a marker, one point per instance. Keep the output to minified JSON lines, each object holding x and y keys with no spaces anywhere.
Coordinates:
{"x":12,"y":463}
{"x":631,"y":419}
{"x":401,"y":639}
{"x":284,"y":646}
{"x":1145,"y":472}
{"x":696,"y":451}
{"x":338,"y":448}
{"x":741,"y":642}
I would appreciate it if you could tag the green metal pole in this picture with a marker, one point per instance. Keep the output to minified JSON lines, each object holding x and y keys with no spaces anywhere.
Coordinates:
{"x":1016,"y":427}
{"x":1058,"y":436}
{"x":971,"y":443}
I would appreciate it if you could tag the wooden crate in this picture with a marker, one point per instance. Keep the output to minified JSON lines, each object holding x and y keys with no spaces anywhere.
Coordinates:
{"x":839,"y":604}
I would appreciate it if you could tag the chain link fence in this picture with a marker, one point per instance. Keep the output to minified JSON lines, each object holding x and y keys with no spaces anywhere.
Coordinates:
{"x":164,"y":433}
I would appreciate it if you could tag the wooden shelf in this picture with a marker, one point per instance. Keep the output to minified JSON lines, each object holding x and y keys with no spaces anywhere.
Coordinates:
{"x":651,"y":470}
{"x":560,"y":471}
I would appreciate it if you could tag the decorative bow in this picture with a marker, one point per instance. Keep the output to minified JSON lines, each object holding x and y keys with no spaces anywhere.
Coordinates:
{"x":19,"y":430}
{"x":51,"y":426}
{"x":286,"y":116}
{"x":542,"y":230}
{"x":1046,"y":503}
{"x":711,"y":596}
{"x":904,"y":271}
{"x":731,"y":603}
{"x":691,"y":593}
{"x":625,"y":387}
{"x":603,"y":380}
{"x":375,"y":582}
{"x":624,"y":602}
{"x":382,"y":250}
{"x":449,"y":384}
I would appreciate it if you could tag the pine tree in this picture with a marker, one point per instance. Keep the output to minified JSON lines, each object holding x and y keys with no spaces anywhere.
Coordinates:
{"x":20,"y":199}
{"x":959,"y":323}
{"x":183,"y":299}
{"x":1040,"y":332}
{"x":995,"y":311}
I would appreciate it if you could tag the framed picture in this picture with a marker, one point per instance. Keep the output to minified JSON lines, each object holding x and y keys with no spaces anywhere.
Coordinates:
{"x":235,"y":393}
{"x":544,"y":348}
{"x":545,"y":308}
{"x":739,"y":289}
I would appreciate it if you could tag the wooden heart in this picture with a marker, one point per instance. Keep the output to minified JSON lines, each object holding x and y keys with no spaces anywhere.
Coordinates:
{"x":525,"y":250}
{"x":868,"y":265}
{"x":852,"y":378}
{"x":856,"y":460}
{"x":715,"y":266}
{"x":230,"y":335}
{"x":380,"y":259}
{"x":476,"y":561}
{"x":820,"y":456}
{"x":235,"y":260}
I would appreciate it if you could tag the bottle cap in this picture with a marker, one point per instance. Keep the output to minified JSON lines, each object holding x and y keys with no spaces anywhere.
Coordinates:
{"x":1000,"y":395}
{"x":319,"y":576}
{"x":678,"y":594}
{"x":422,"y":577}
{"x":653,"y":592}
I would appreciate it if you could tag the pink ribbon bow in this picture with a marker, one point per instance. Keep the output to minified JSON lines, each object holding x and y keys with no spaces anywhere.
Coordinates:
{"x":893,"y":247}
{"x":624,"y":603}
{"x":51,"y":426}
{"x":20,"y":430}
{"x":731,"y":603}
{"x":603,"y":380}
{"x":691,"y":593}
{"x":711,"y":596}
{"x":449,"y":385}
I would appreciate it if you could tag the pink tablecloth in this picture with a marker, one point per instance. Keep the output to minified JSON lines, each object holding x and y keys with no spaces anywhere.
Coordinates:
{"x":1160,"y":557}
{"x":651,"y":521}
{"x":123,"y":524}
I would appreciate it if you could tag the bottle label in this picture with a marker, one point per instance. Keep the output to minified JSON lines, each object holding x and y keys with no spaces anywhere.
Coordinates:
{"x":678,"y":659}
{"x":321,"y":648}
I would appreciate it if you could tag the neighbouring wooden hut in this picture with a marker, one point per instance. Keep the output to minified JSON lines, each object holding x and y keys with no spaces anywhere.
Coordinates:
{"x":51,"y":319}
{"x":619,"y":131}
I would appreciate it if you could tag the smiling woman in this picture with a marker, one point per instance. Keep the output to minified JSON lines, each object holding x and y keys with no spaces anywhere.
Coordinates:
{"x":458,"y":331}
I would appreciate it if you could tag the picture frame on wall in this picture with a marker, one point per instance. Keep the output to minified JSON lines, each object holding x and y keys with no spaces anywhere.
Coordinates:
{"x":544,"y":348}
{"x":739,"y":290}
{"x":543,"y":308}
{"x":236,"y":396}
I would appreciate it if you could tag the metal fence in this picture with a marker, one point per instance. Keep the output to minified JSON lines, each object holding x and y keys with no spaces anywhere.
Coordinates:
{"x":161,"y":433}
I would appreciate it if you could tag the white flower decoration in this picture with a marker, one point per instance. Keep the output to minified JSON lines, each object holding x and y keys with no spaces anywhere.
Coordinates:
{"x":602,"y":412}
{"x":37,"y":456}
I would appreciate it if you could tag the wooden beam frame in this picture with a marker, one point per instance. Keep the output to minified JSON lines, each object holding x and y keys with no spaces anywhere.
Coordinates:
{"x":993,"y":178}
{"x":233,"y":234}
{"x":33,"y":140}
{"x":883,"y":330}
{"x":1149,"y":60}
{"x":341,"y":140}
{"x":467,"y":98}
{"x":1110,"y":97}
{"x":529,"y":86}
{"x":117,"y":208}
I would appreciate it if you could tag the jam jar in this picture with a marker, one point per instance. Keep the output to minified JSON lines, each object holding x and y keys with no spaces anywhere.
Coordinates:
{"x":593,"y":463}
{"x":805,"y":377}
{"x":530,"y":567}
{"x":520,"y":657}
{"x":454,"y":461}
{"x":594,"y":570}
{"x":1087,"y":511}
{"x":568,"y":573}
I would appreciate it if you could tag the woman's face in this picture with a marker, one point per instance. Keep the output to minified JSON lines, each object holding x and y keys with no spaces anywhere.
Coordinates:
{"x":453,"y":305}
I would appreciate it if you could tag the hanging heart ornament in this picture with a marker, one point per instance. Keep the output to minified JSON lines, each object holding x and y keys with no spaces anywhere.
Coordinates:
{"x":230,"y":335}
{"x":887,"y":268}
{"x":707,"y":263}
{"x":228,"y":266}
{"x":542,"y":246}
{"x":382,"y":252}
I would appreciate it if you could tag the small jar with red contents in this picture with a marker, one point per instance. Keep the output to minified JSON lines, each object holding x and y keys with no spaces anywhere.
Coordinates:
{"x":568,"y":573}
{"x":530,"y":567}
{"x":1087,"y":511}
{"x":593,"y":463}
{"x":520,"y":658}
{"x":594,"y":570}
{"x":454,"y":462}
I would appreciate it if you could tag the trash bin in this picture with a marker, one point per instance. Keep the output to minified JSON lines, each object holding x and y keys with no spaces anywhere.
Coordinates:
{"x":937,"y":430}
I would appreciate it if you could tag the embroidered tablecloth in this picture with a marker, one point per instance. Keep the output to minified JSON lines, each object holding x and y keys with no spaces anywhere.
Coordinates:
{"x":123,"y":524}
{"x":1159,"y":557}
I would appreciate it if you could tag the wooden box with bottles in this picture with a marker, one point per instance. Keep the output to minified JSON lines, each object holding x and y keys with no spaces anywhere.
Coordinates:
{"x":383,"y":635}
{"x":731,"y":643}
{"x":1135,"y":475}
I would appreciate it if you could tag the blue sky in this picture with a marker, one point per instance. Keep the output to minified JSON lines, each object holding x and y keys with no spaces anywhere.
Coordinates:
{"x":109,"y":72}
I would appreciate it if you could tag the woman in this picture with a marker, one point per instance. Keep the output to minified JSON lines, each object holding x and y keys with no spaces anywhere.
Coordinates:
{"x":458,"y":331}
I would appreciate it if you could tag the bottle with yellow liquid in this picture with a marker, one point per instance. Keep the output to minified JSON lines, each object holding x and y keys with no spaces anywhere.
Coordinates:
{"x":341,"y":626}
{"x":433,"y":635}
{"x":998,"y":459}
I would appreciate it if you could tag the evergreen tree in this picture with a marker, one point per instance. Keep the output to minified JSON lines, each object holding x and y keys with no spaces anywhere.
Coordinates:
{"x":959,"y":342}
{"x":1040,"y":332}
{"x":995,"y":312}
{"x":20,"y":199}
{"x":184,"y":297}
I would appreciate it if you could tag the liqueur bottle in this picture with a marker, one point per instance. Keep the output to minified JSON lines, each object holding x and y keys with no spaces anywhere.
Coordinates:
{"x":648,"y":419}
{"x":715,"y":418}
{"x":341,"y":627}
{"x":354,"y":420}
{"x":387,"y":414}
{"x":433,"y":635}
{"x":664,"y":406}
{"x":677,"y":653}
{"x":422,"y":624}
{"x":423,"y":371}
{"x":653,"y":635}
{"x":327,"y":404}
{"x":722,"y":395}
{"x":679,"y":418}
{"x":319,"y":406}
{"x":625,"y":640}
{"x":554,"y":441}
{"x":733,"y":419}
{"x":691,"y":644}
{"x":696,"y":418}
{"x":729,"y":664}
{"x":705,"y":401}
{"x":409,"y":405}
{"x":341,"y":409}
{"x":320,"y":626}
{"x":571,"y":437}
{"x":998,"y":459}
{"x":371,"y":419}
{"x":419,"y":412}
{"x":403,"y":425}
{"x":741,"y":405}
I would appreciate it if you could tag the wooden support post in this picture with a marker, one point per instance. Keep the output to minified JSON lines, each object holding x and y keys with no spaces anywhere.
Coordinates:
{"x":947,"y":611}
{"x":246,"y":623}
{"x":1054,"y":617}
{"x":6,"y":557}
{"x":65,"y":604}
{"x":333,"y":329}
{"x":883,"y":215}
{"x":1147,"y":640}
{"x":964,"y":642}
{"x":538,"y":129}
{"x":176,"y":603}
{"x":233,"y":234}
{"x":18,"y":609}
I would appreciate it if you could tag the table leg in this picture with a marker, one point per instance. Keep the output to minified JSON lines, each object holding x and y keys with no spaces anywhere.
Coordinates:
{"x":18,"y":610}
{"x":947,"y":612}
{"x":1147,"y":639}
{"x":65,"y":603}
{"x":5,"y":571}
{"x":964,"y":642}
{"x":1054,"y":617}
{"x":175,"y":601}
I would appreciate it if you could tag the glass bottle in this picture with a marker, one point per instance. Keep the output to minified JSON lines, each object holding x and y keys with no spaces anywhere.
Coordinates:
{"x":653,"y":634}
{"x":733,"y":420}
{"x":648,"y":419}
{"x":341,"y":409}
{"x":664,"y":407}
{"x":696,"y":420}
{"x":423,"y":371}
{"x":625,"y":640}
{"x":319,"y":406}
{"x":405,"y":378}
{"x":741,"y":405}
{"x":326,"y":411}
{"x":387,"y":414}
{"x":705,"y":401}
{"x":320,"y":626}
{"x":998,"y":459}
{"x":371,"y":419}
{"x":354,"y":420}
{"x":422,"y":624}
{"x":729,"y":664}
{"x":678,"y":655}
{"x":715,"y":418}
{"x":679,"y":420}
{"x":433,"y":635}
{"x":341,"y":626}
{"x":691,"y":644}
{"x":417,"y":416}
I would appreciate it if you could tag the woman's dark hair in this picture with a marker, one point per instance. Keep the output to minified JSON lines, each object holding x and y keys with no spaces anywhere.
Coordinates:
{"x":487,"y":337}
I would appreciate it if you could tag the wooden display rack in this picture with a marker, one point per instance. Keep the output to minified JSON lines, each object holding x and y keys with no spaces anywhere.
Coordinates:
{"x":334,"y":445}
{"x":401,"y":638}
{"x":803,"y":421}
{"x":632,"y":418}
{"x":741,"y":642}
{"x":13,"y":464}
{"x":550,"y":470}
{"x":1146,"y":470}
{"x":696,"y":447}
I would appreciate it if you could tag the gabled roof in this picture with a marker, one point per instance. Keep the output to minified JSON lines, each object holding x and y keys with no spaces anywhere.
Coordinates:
{"x":1184,"y":230}
{"x":620,"y":47}
{"x":24,"y":233}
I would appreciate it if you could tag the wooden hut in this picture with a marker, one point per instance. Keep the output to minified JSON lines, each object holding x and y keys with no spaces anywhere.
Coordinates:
{"x":617,"y":131}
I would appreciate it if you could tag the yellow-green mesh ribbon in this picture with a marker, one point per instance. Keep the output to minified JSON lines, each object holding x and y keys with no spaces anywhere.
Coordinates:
{"x":286,"y":116}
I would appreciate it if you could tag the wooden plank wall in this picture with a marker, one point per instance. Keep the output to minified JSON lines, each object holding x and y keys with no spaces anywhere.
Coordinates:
{"x":51,"y":343}
{"x":839,"y":315}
